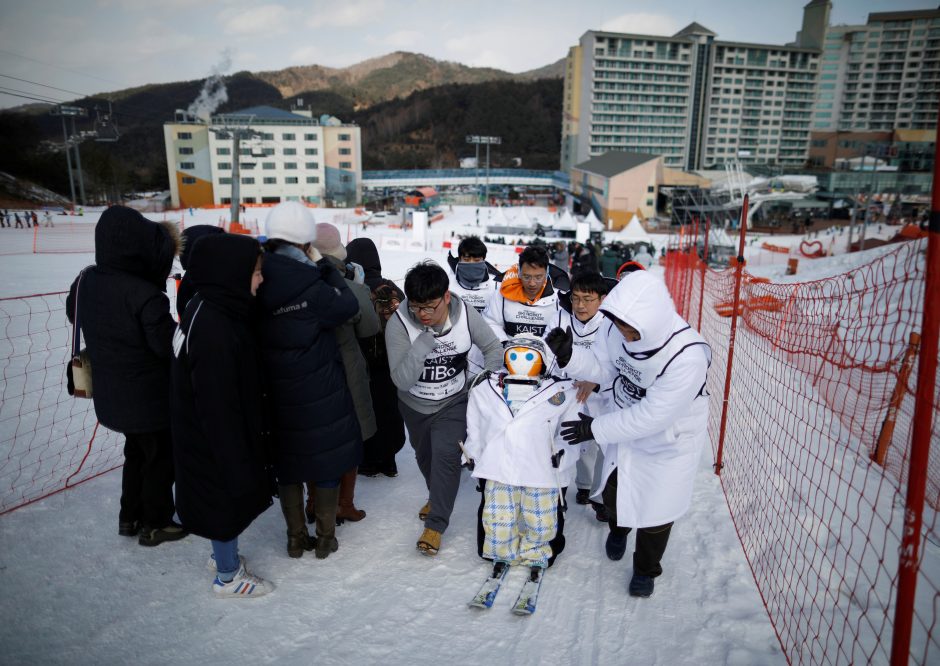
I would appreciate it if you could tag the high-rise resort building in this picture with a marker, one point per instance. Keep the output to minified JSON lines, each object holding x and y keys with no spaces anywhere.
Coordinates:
{"x":881,"y":76}
{"x":282,"y":156}
{"x":701,"y":102}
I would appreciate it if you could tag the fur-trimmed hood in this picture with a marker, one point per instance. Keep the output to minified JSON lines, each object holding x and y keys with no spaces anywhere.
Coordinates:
{"x":127,"y":242}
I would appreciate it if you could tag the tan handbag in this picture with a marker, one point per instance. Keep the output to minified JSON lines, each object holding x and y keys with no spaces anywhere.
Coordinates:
{"x":78,"y":369}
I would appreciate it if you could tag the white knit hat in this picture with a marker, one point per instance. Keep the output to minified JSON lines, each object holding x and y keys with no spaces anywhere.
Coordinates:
{"x":291,"y":221}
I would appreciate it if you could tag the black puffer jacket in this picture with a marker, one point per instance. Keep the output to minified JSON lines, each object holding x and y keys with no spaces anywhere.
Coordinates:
{"x":218,"y":429}
{"x":125,"y":318}
{"x":316,"y":434}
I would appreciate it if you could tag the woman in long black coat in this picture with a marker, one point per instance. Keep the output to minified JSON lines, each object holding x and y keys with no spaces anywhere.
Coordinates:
{"x":218,"y":428}
{"x":314,"y":425}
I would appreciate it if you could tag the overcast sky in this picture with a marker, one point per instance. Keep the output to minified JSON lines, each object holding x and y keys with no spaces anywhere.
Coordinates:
{"x":93,"y":46}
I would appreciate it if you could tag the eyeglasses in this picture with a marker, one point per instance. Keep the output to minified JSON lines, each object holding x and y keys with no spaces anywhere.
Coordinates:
{"x":578,"y":300}
{"x":425,"y":309}
{"x":532,"y":279}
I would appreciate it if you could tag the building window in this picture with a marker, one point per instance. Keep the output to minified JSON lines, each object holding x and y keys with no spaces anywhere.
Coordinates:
{"x":311,"y":165}
{"x":268,"y":166}
{"x":268,"y":136}
{"x":288,"y":137}
{"x":187,"y":165}
{"x":248,"y":180}
{"x":649,"y":202}
{"x":310,"y":137}
{"x":223,"y":151}
{"x":226,"y":200}
{"x":290,"y":151}
{"x":345,"y":179}
{"x":344,"y":137}
{"x":184,"y":150}
{"x":345,"y":151}
{"x":345,"y":165}
{"x":184,"y":136}
{"x":313,"y":180}
{"x":189,"y":180}
{"x":268,"y":152}
{"x":225,"y":181}
{"x":310,"y":151}
{"x":270,"y":180}
{"x":291,"y":180}
{"x":651,"y":188}
{"x":270,"y":200}
{"x":290,"y":165}
{"x":224,"y":166}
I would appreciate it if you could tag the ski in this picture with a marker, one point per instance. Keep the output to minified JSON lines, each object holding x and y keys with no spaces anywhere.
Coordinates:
{"x":528,"y":596}
{"x":487,"y":594}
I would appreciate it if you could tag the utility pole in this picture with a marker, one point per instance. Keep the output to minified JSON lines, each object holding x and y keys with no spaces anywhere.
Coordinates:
{"x":70,"y":141}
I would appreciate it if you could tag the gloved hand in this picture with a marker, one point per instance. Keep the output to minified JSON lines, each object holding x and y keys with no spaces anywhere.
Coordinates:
{"x":560,"y":343}
{"x":468,"y":463}
{"x":358,"y":272}
{"x":575,"y":432}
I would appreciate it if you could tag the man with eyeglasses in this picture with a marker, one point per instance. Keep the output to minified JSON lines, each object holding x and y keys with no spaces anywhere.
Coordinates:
{"x":579,"y":311}
{"x":526,"y":301}
{"x":428,"y":340}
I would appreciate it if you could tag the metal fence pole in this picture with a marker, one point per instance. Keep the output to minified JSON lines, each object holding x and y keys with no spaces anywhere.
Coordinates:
{"x":738,"y":275}
{"x":909,"y":565}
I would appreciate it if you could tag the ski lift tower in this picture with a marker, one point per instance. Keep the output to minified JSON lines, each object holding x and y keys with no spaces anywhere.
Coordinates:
{"x":71,"y":141}
{"x":237,"y":134}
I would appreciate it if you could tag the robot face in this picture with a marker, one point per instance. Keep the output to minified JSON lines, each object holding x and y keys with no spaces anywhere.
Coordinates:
{"x":523,"y":361}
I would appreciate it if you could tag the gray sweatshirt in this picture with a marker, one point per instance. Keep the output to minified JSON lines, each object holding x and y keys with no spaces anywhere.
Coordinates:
{"x":406,"y":360}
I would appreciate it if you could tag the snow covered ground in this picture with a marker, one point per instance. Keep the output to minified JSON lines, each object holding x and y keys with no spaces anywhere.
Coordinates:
{"x":75,"y":592}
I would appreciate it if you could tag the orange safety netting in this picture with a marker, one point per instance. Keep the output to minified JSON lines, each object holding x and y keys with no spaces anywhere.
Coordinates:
{"x":48,"y":440}
{"x":822,"y":372}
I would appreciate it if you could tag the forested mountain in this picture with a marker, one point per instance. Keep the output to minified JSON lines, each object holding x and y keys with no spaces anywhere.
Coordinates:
{"x":414,"y":112}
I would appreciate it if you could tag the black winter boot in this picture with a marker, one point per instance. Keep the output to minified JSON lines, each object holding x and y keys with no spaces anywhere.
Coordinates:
{"x":292,"y":505}
{"x":325,"y":500}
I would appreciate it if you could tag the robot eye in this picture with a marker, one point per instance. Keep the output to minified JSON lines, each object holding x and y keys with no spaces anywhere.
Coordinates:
{"x":513,"y":356}
{"x":530,"y":356}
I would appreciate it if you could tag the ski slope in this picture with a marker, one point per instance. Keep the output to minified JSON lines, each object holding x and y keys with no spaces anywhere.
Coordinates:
{"x":74,"y":592}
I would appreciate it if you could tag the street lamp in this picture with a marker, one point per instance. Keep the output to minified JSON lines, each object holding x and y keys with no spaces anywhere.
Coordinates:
{"x":488,"y":141}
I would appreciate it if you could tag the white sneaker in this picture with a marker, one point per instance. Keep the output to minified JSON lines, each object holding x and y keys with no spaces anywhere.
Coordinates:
{"x":210,"y":565}
{"x":243,"y":586}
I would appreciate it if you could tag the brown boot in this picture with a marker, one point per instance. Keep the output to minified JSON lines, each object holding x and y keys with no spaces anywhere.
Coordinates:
{"x":346,"y":509}
{"x":325,"y":500}
{"x":292,"y":505}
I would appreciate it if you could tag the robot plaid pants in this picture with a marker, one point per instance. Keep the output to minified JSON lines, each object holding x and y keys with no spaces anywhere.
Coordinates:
{"x":518,"y":522}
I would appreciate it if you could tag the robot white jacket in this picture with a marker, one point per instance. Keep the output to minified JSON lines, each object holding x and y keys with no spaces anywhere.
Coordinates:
{"x":517,"y":449}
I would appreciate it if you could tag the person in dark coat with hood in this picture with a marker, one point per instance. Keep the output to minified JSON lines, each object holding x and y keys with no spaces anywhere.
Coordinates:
{"x":190,"y":235}
{"x":218,"y":428}
{"x":316,"y":433}
{"x":380,"y":449}
{"x":362,"y":251}
{"x":125,"y":317}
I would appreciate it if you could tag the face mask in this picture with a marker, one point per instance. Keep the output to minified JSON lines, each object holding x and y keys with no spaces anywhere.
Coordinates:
{"x":470,"y":275}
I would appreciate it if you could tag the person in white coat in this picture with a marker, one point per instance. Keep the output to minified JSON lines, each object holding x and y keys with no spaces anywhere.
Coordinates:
{"x":513,"y":445}
{"x":580,"y":310}
{"x":655,"y":366}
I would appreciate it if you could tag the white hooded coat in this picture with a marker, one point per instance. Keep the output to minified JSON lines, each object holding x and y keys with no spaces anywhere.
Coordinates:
{"x":657,"y":428}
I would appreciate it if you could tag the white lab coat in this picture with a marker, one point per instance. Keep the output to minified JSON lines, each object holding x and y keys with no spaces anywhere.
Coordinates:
{"x":655,"y":438}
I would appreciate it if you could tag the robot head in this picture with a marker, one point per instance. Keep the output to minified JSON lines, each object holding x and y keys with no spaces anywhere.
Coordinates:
{"x":525,"y":355}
